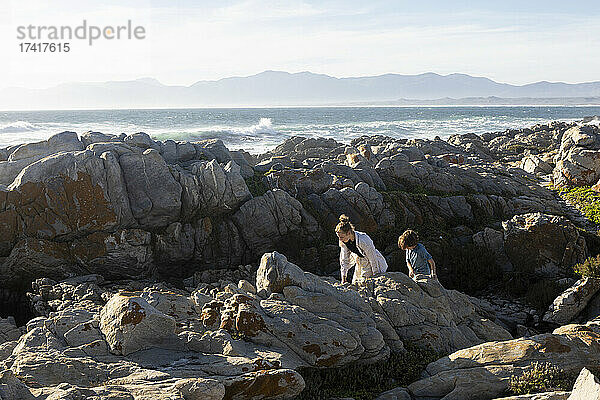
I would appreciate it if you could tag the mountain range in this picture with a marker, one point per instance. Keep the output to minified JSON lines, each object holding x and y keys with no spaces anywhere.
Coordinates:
{"x":277,"y":88}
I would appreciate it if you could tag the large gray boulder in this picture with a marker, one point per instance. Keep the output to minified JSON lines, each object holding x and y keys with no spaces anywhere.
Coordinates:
{"x":548,"y":245}
{"x":422,"y":312}
{"x":210,"y":189}
{"x":28,"y":153}
{"x":572,"y":301}
{"x":154,"y":194}
{"x":484,"y":371}
{"x":130,"y":324}
{"x":263,"y":221}
{"x":578,"y":160}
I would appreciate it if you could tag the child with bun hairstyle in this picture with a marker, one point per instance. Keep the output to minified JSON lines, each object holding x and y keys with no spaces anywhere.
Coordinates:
{"x":358,"y":250}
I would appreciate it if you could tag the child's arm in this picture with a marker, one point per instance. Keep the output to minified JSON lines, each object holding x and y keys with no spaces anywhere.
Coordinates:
{"x":410,"y":270}
{"x":433,"y":271}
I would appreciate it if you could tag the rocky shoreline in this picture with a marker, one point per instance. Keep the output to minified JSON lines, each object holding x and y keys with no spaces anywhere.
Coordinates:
{"x":136,"y":269}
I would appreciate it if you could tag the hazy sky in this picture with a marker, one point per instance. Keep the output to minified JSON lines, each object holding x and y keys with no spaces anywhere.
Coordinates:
{"x":509,"y":41}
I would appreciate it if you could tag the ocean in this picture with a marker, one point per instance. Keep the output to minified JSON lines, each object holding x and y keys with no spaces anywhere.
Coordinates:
{"x":260,"y":129}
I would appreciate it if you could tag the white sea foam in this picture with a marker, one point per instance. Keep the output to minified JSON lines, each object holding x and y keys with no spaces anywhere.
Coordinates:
{"x":260,"y":130}
{"x":17,"y":127}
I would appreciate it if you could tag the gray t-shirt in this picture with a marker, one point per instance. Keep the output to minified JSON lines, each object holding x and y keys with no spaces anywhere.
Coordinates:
{"x":418,"y":259}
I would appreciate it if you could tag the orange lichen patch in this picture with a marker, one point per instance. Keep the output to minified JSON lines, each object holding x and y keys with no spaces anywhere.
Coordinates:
{"x":207,"y":225}
{"x":313,"y":349}
{"x":261,"y":384}
{"x":365,"y":151}
{"x":134,"y":315}
{"x":91,"y":247}
{"x":249,"y":323}
{"x":290,"y":334}
{"x":61,"y":206}
{"x":553,"y":345}
{"x":240,"y":314}
{"x":227,"y":322}
{"x":209,"y":316}
{"x":329,"y":361}
{"x":454,"y":158}
{"x":319,"y":353}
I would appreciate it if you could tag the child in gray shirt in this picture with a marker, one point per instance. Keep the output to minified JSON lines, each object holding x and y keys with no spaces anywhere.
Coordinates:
{"x":418,"y":259}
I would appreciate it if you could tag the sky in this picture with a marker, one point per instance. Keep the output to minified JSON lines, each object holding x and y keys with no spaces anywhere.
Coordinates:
{"x":187,"y":41}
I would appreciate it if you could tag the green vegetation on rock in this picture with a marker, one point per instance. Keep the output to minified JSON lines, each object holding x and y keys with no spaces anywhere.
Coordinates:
{"x":589,"y":268}
{"x":256,"y":184}
{"x":541,"y":377}
{"x":364,"y":382}
{"x":585,"y":199}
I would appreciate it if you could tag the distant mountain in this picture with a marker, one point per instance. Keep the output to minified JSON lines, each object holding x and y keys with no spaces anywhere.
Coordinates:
{"x":276,"y":88}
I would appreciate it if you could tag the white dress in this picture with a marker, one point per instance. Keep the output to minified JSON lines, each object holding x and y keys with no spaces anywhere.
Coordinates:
{"x":372,"y":263}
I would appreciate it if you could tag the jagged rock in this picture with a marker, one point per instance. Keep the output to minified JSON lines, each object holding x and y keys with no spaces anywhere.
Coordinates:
{"x":213,"y":149}
{"x":28,"y":153}
{"x":424,"y":312}
{"x":483,"y":371}
{"x":545,"y":244}
{"x":577,"y":160}
{"x":301,"y":183}
{"x":490,"y":239}
{"x":247,"y":286}
{"x":210,"y":189}
{"x":587,"y":386}
{"x":274,"y":215}
{"x":363,"y":204}
{"x":572,"y":301}
{"x":535,"y":165}
{"x":154,"y":194}
{"x":274,"y":163}
{"x":133,"y":338}
{"x":141,"y":140}
{"x":271,"y":384}
{"x":301,"y":148}
{"x":91,"y":137}
{"x":130,"y":324}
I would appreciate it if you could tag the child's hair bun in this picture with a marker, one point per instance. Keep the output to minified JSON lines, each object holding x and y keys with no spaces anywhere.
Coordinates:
{"x":344,"y":218}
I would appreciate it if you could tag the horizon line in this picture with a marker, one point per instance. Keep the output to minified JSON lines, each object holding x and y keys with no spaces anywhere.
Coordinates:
{"x":295,"y":73}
